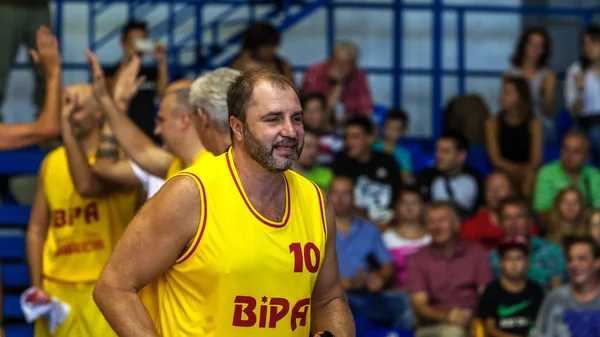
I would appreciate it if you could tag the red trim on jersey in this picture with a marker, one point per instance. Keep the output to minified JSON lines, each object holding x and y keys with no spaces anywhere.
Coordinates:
{"x":321,"y":209}
{"x":203,"y":215}
{"x":249,"y":206}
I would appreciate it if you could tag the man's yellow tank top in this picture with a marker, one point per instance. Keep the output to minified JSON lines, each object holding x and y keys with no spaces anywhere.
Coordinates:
{"x":243,"y":274}
{"x":177,"y":163}
{"x":82,"y":231}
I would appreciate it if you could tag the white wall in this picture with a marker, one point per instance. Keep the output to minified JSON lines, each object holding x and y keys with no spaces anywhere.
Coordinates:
{"x":490,"y":40}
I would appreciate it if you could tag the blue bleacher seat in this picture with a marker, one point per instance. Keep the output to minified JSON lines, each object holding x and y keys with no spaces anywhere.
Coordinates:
{"x":15,"y":275}
{"x":551,"y":153}
{"x":424,"y":160}
{"x":12,"y":247}
{"x":14,"y":215}
{"x":12,"y":306}
{"x":390,"y":333}
{"x":21,"y":330}
{"x":21,"y":161}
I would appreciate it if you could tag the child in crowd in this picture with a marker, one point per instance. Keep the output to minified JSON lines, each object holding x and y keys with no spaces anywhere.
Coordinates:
{"x":509,"y":305}
{"x":395,"y":126}
{"x":317,"y":118}
{"x":592,"y":225}
{"x":566,"y":217}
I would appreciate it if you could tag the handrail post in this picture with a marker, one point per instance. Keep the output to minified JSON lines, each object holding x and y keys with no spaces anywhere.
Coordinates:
{"x":397,"y":55}
{"x":436,"y":91}
{"x":58,"y":25}
{"x":460,"y":52}
{"x":199,"y":38}
{"x":330,"y":25}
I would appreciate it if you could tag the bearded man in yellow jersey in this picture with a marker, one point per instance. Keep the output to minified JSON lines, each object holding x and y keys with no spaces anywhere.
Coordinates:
{"x":242,"y":246}
{"x":70,"y":237}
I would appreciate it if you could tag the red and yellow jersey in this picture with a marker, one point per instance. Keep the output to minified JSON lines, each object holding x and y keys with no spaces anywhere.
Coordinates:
{"x":82,"y":231}
{"x":243,"y":274}
{"x":178,"y":165}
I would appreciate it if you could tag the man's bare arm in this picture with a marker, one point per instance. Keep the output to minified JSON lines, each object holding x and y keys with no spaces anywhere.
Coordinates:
{"x":420,"y":302}
{"x":147,"y":249}
{"x":14,"y":136}
{"x":133,"y":140}
{"x":330,"y":309}
{"x":37,"y":231}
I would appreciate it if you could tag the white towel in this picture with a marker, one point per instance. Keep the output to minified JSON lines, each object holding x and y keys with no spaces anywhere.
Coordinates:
{"x":55,"y":312}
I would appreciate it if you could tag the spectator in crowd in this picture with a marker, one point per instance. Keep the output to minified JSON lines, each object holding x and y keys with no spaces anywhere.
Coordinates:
{"x":20,"y":22}
{"x":342,"y":81}
{"x":451,"y":179}
{"x":530,"y":61}
{"x":546,"y":261}
{"x":70,"y":237}
{"x":514,"y":136}
{"x":134,"y":38}
{"x":582,"y":86}
{"x":407,"y":233}
{"x":47,"y":126}
{"x":259,"y":50}
{"x":446,"y":277}
{"x":483,"y":227}
{"x":592,"y":225}
{"x":307,"y":166}
{"x":509,"y":304}
{"x":566,"y":217}
{"x":376,"y":175}
{"x":394,"y":129}
{"x":573,"y":309}
{"x":365,"y":264}
{"x":570,"y":169}
{"x":315,"y":113}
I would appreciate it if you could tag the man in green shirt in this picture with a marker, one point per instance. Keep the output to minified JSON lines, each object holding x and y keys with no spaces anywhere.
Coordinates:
{"x":569,"y":170}
{"x":305,"y":165}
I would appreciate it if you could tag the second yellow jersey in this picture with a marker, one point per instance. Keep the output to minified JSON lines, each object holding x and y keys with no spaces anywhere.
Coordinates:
{"x":243,"y":274}
{"x":82,"y":231}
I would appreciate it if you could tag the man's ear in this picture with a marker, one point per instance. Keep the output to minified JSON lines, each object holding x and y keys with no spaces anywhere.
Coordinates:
{"x":237,"y":127}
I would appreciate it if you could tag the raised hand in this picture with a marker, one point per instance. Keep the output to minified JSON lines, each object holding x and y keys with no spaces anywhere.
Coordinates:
{"x":160,"y":53}
{"x":46,"y":55}
{"x":128,"y":82}
{"x":99,"y":82}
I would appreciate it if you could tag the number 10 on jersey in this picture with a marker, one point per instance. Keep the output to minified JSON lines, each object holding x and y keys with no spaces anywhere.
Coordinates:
{"x":307,"y":256}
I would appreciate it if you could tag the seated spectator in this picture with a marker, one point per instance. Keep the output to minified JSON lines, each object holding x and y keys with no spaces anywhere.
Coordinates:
{"x":451,"y":179}
{"x":509,"y":305}
{"x":570,"y":169}
{"x":546,"y":262}
{"x":483,"y":227}
{"x":530,"y":61}
{"x":407,"y":233}
{"x":446,"y":277}
{"x":394,"y":129}
{"x":315,"y":114}
{"x":566,"y":217}
{"x":344,"y":84}
{"x":573,"y":309}
{"x":582,"y":85}
{"x":259,"y":50}
{"x":376,"y":175}
{"x":514,"y":136}
{"x":306,"y":164}
{"x":592,"y":225}
{"x":365,"y":264}
{"x":141,"y":108}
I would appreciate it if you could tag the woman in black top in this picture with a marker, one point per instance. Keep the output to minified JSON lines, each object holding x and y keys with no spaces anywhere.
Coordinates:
{"x":514,"y":136}
{"x":259,"y":50}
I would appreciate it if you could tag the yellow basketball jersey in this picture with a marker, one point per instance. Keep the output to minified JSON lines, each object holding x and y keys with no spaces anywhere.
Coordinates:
{"x":178,"y":165}
{"x":243,"y":274}
{"x":148,"y":294}
{"x":82,"y":231}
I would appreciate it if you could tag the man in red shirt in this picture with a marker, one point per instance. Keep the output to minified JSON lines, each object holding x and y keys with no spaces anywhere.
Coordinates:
{"x":341,"y":81}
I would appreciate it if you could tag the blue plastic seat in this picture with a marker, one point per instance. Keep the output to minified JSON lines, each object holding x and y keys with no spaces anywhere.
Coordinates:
{"x":21,"y":330}
{"x":551,"y":153}
{"x":14,"y":215}
{"x":12,"y":247}
{"x":382,"y":332}
{"x":12,"y":306}
{"x":422,"y":161}
{"x":15,"y":275}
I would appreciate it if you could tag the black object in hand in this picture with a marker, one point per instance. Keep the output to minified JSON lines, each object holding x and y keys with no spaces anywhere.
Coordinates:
{"x":324,"y":334}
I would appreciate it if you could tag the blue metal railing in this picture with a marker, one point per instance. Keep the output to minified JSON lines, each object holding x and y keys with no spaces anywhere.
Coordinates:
{"x":437,"y":72}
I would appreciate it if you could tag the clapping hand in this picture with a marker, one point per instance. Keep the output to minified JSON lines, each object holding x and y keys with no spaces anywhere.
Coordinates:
{"x":128,"y":82}
{"x":160,"y":53}
{"x":99,"y":82}
{"x":46,"y":55}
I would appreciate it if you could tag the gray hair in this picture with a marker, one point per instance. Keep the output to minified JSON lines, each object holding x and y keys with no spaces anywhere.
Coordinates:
{"x":209,"y":93}
{"x":348,"y":46}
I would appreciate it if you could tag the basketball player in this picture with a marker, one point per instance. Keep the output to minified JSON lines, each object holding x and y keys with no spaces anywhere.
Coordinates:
{"x":47,"y":126}
{"x":70,"y":237}
{"x":172,"y":127}
{"x":243,"y":245}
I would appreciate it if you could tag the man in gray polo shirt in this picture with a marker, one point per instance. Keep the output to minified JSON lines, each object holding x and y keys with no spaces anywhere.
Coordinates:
{"x":573,"y":310}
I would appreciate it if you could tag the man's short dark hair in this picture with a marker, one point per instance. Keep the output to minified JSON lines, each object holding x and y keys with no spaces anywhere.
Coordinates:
{"x":397,"y":114}
{"x":460,"y":141}
{"x":513,"y":201}
{"x":133,"y":25}
{"x":365,"y":123}
{"x":411,"y":189}
{"x":583,"y":240}
{"x":260,"y":34}
{"x":313,"y":96}
{"x":450,"y":205}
